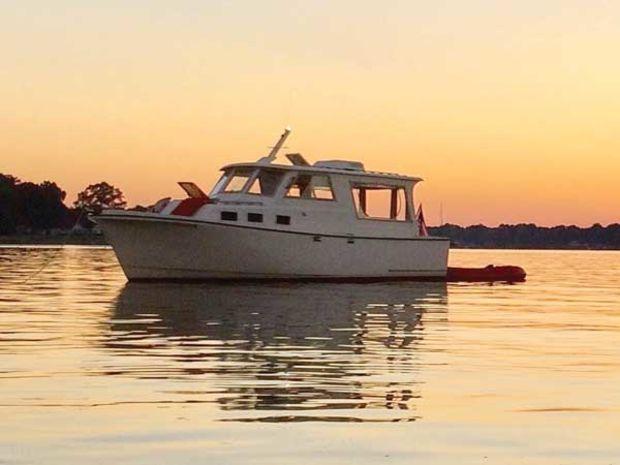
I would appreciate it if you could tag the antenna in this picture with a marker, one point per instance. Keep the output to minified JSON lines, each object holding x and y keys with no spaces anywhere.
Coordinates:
{"x":276,"y":148}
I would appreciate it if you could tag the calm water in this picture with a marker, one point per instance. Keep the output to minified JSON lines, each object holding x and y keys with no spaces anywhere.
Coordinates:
{"x":93,"y":370}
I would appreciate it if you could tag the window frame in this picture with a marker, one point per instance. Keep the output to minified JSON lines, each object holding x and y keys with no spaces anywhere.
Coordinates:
{"x":295,"y":174}
{"x":254,"y":178}
{"x":231,"y":176}
{"x":392,"y":187}
{"x":221,"y":183}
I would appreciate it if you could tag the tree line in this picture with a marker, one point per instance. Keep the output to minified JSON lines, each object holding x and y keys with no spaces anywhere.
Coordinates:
{"x":27,"y":207}
{"x":530,"y":236}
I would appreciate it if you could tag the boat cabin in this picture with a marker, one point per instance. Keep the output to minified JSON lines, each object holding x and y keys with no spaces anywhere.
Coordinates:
{"x":327,"y":197}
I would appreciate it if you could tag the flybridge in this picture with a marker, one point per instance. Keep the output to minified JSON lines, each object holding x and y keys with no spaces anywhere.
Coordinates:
{"x":299,"y":163}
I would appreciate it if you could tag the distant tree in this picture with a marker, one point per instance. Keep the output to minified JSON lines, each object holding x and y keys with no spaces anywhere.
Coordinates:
{"x":26,"y":206}
{"x":8,"y":203}
{"x":97,"y":197}
{"x":42,"y":205}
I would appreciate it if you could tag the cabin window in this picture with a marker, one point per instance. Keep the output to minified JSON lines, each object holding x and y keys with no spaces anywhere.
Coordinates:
{"x":255,"y":217}
{"x":228,"y":216}
{"x":238,"y":180}
{"x":298,"y":187}
{"x":381,"y":202}
{"x":321,"y":188}
{"x":266,"y":182}
{"x":314,"y":187}
{"x":283,"y":219}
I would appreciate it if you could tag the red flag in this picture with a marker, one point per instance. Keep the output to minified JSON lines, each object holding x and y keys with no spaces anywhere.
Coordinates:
{"x":421,"y":223}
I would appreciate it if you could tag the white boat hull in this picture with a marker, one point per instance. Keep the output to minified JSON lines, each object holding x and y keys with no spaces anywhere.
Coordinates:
{"x":152,"y":248}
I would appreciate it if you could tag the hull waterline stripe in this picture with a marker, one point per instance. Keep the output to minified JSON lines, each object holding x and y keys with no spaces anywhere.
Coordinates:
{"x":339,"y":279}
{"x":232,"y":274}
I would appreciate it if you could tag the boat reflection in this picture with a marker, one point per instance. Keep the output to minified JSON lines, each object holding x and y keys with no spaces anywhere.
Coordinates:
{"x":285,"y":352}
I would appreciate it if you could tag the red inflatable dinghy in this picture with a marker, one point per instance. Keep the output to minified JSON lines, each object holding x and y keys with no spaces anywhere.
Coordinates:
{"x":489,"y":273}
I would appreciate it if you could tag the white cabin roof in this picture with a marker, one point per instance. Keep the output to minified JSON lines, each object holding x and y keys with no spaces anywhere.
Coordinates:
{"x":300,"y":165}
{"x":348,"y":168}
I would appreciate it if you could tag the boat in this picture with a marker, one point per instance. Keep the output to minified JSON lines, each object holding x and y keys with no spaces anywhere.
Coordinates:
{"x":332,"y":220}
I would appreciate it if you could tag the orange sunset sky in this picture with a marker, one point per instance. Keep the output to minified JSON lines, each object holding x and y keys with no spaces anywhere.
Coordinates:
{"x":510,"y":110}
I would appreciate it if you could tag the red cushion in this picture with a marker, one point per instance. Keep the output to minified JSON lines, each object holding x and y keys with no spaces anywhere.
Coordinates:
{"x":189,"y":206}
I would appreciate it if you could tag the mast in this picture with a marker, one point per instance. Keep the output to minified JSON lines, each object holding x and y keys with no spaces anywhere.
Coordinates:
{"x":276,"y":148}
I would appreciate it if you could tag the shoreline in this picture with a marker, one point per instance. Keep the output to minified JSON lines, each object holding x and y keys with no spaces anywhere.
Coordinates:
{"x":55,"y":240}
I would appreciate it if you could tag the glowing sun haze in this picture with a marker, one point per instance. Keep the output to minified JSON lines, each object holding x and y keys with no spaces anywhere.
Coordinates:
{"x":508,"y":109}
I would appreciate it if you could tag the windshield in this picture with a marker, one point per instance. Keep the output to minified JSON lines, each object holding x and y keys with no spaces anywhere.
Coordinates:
{"x":238,"y":180}
{"x":249,"y":181}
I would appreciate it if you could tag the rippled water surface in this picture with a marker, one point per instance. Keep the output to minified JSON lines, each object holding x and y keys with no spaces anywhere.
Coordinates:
{"x":95,"y":370}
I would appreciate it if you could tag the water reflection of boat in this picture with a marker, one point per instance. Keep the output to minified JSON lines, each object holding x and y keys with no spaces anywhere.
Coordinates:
{"x":294,"y":352}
